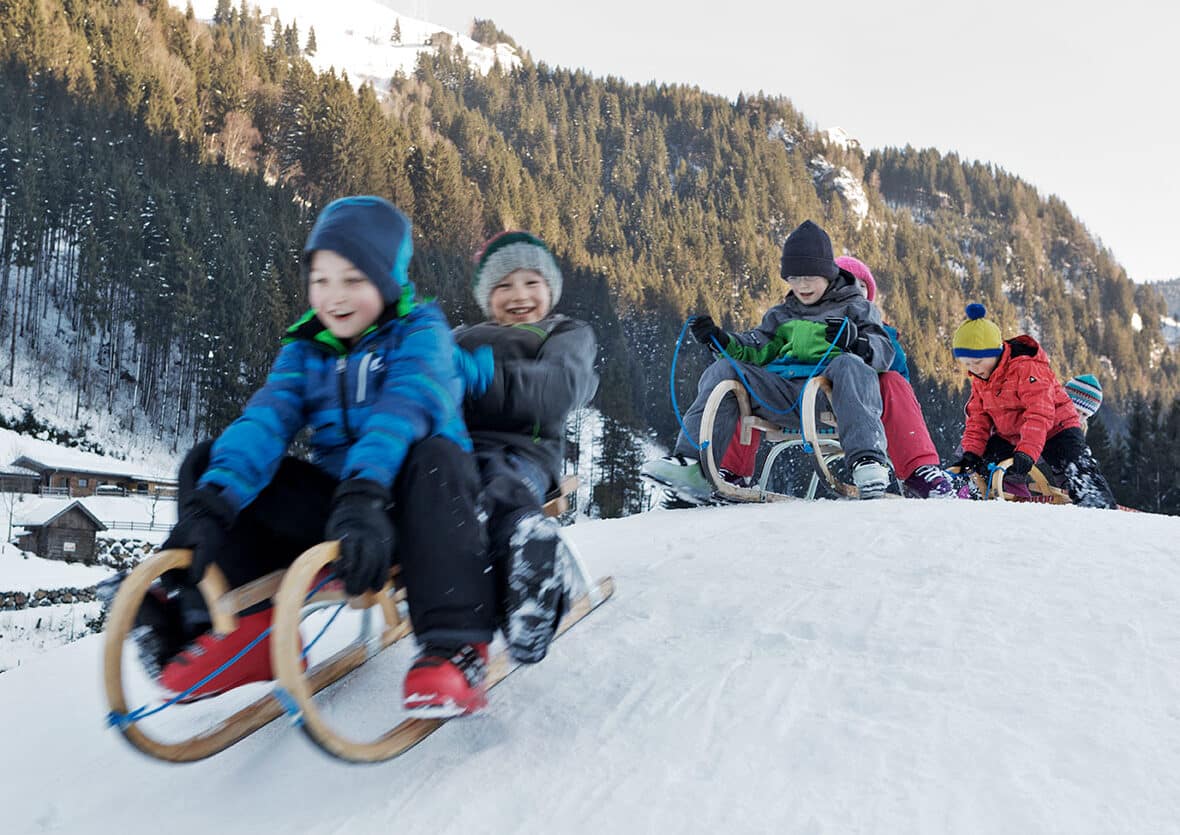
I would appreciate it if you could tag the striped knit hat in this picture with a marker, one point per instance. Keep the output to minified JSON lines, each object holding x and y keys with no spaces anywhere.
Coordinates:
{"x":1086,"y":393}
{"x":977,"y":337}
{"x":505,"y":254}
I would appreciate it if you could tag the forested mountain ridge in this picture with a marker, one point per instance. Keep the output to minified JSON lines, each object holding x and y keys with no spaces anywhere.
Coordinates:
{"x":1170,"y":290}
{"x":158,"y":176}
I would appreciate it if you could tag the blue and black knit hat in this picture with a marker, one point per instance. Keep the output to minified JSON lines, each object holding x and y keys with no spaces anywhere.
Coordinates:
{"x":505,"y":254}
{"x":977,"y":337}
{"x":373,"y":234}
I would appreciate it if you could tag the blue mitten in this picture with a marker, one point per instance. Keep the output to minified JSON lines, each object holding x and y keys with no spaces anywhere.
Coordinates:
{"x":477,"y":368}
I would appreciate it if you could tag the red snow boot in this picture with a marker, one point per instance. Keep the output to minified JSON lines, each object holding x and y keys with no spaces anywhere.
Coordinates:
{"x":447,"y":682}
{"x":209,"y":652}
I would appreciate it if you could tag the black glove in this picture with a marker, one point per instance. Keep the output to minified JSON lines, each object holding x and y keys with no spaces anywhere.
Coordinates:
{"x":1021,"y":464}
{"x":360,"y":520}
{"x":969,"y":463}
{"x":849,"y":339}
{"x":705,"y":330}
{"x":205,"y":519}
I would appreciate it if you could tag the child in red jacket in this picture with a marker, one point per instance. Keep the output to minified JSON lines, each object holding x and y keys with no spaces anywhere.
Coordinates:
{"x":1019,"y":410}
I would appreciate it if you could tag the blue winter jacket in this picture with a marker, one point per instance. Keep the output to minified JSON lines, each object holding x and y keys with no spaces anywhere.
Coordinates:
{"x":365,"y":405}
{"x":900,"y":362}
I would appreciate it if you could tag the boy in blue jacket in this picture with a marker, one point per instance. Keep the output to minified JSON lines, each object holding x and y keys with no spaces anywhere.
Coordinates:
{"x":527,"y":369}
{"x":370,"y":371}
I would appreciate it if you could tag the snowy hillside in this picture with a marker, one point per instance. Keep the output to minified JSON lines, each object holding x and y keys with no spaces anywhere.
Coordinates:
{"x":356,"y":36}
{"x":826,"y":667}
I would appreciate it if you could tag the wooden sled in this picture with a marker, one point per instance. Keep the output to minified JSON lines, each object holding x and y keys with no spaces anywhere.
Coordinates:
{"x":818,"y":434}
{"x":288,"y":591}
{"x":993,"y":487}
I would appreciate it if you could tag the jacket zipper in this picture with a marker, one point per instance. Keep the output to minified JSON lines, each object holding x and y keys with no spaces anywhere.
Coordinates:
{"x":342,"y":384}
{"x":362,"y":378}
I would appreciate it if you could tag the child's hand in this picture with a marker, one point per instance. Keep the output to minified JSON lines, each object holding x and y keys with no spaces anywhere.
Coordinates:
{"x":1021,"y":464}
{"x":847,"y":339}
{"x":969,"y":463}
{"x":202,"y":526}
{"x":477,"y":368}
{"x":361,"y":522}
{"x":842,"y":339}
{"x":705,"y":330}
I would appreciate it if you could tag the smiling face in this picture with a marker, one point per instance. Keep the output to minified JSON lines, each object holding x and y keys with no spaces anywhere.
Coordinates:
{"x":341,"y":295}
{"x":981,"y":367}
{"x":808,"y":288}
{"x":521,"y":297}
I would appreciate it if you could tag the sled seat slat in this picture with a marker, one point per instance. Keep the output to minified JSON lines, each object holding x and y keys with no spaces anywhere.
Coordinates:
{"x":557,"y":502}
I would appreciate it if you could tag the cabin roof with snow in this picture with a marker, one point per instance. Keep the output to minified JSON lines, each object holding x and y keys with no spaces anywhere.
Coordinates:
{"x":40,"y":513}
{"x":74,"y":462}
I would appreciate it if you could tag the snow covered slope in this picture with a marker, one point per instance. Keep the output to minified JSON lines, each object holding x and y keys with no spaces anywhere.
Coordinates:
{"x":827,"y":667}
{"x":355,"y":36}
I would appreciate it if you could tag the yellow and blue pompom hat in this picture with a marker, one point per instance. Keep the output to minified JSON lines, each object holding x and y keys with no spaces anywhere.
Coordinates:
{"x":977,"y":337}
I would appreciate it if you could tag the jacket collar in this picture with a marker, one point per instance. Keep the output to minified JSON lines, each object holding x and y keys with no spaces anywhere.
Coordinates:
{"x":308,"y":328}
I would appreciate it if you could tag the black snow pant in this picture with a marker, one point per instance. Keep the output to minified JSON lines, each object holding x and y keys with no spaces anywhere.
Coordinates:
{"x":1071,"y":461}
{"x":439,"y":541}
{"x":513,"y":488}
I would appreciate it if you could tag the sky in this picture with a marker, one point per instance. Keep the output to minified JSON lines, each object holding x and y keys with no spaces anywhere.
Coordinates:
{"x":800,"y":667}
{"x":1077,"y":99}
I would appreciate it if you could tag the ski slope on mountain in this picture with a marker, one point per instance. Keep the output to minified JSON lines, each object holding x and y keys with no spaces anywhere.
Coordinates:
{"x":356,"y":37}
{"x":823,"y":667}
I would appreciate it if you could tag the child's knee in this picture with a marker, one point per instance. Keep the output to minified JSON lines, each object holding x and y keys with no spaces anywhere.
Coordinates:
{"x":720,"y":371}
{"x":849,"y":366}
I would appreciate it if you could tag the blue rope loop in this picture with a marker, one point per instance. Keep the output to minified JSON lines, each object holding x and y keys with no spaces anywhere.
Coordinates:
{"x":114,"y":719}
{"x":672,"y":387}
{"x":290,"y":706}
{"x":717,"y":348}
{"x":991,"y":469}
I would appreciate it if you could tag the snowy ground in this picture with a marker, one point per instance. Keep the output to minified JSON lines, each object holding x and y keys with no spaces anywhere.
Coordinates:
{"x":27,"y":633}
{"x":21,"y":571}
{"x":828,"y":667}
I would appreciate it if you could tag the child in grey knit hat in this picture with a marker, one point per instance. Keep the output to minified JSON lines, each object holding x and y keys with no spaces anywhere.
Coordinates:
{"x":526,"y":368}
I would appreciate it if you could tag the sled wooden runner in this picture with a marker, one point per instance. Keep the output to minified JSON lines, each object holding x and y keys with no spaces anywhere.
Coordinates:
{"x":992,"y":487}
{"x":297,"y":686}
{"x":818,"y":435}
{"x":1039,"y":486}
{"x":223,"y":605}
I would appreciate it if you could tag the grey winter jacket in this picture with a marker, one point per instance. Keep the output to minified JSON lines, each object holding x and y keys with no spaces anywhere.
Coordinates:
{"x":543,"y":371}
{"x":841,"y":299}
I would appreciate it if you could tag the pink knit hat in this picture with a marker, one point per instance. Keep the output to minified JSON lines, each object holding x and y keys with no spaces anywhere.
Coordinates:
{"x":863,"y":274}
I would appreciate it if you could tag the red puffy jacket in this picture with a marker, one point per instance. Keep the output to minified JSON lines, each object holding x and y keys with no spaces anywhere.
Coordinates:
{"x":1022,"y":401}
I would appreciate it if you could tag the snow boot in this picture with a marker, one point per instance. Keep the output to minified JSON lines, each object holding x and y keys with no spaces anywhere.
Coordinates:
{"x":1018,"y":488}
{"x":681,"y":476}
{"x":447,"y":681}
{"x":871,"y":478}
{"x":210,"y":652}
{"x":1086,"y":484}
{"x":166,"y":622}
{"x":535,"y":587}
{"x":929,"y":482}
